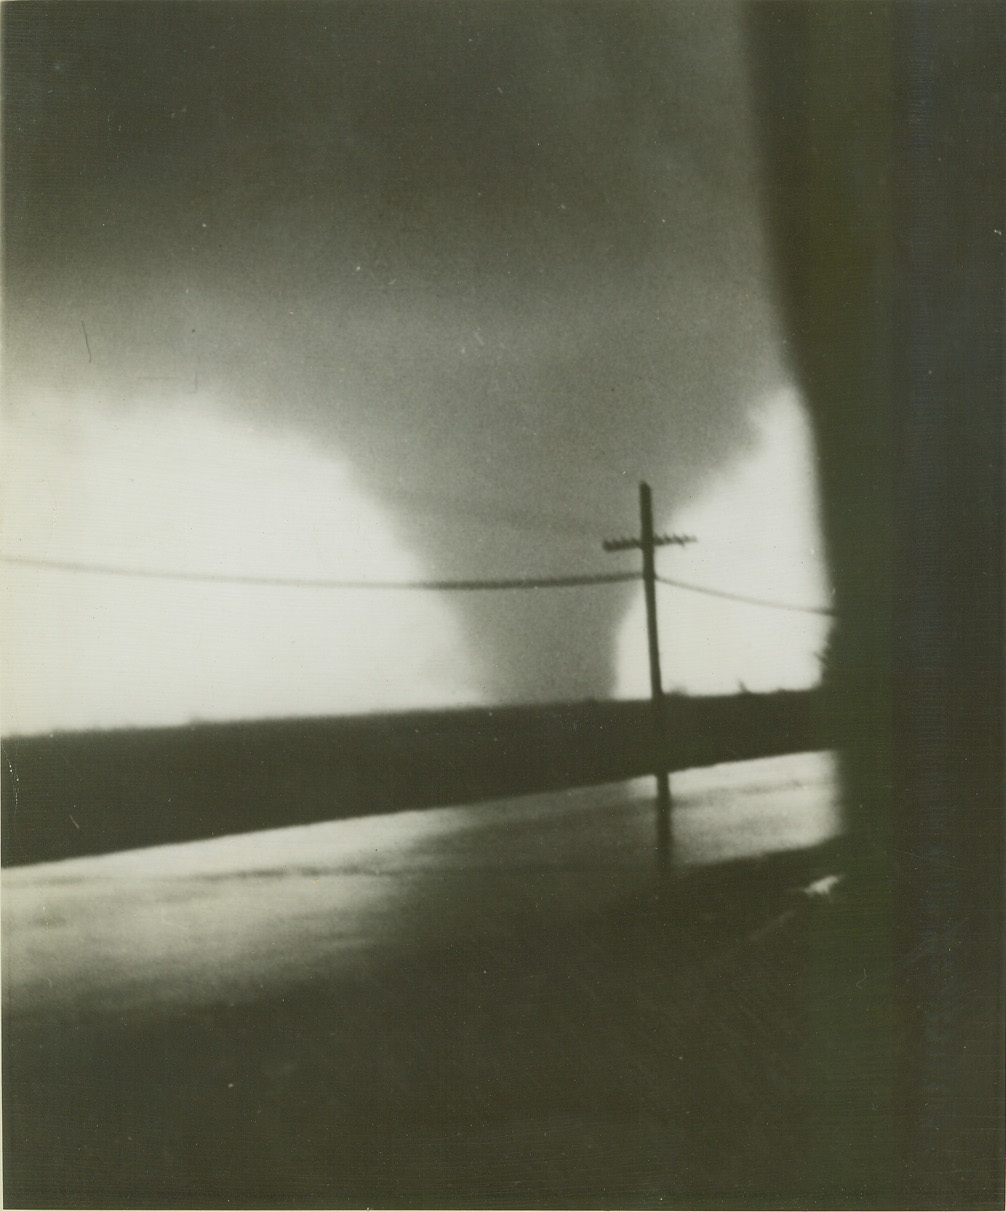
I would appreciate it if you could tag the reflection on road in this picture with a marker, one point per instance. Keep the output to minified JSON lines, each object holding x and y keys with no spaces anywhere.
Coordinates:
{"x":229,"y":918}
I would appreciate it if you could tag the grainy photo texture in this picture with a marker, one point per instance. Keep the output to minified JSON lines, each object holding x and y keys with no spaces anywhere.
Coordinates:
{"x":503,"y":604}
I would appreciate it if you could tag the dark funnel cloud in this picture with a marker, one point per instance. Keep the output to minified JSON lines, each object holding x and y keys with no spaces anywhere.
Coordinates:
{"x":504,"y":258}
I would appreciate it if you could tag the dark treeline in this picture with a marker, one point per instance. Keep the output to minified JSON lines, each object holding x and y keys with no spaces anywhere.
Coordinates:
{"x":80,"y":793}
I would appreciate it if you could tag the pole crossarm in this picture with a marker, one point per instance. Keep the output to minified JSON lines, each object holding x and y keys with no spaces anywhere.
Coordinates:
{"x":659,"y":540}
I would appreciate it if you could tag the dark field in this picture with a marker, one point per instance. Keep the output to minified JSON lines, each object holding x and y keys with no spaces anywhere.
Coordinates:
{"x":723,"y":1040}
{"x":660,"y":1053}
{"x":727,"y":1043}
{"x":85,"y":793}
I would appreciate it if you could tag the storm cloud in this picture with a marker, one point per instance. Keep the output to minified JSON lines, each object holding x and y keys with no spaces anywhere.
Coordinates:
{"x":504,"y":259}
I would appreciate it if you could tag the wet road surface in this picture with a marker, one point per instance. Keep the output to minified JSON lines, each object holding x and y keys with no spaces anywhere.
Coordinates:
{"x":225,"y":919}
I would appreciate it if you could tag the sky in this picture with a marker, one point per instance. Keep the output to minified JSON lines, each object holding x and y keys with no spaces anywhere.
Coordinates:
{"x":381,"y":291}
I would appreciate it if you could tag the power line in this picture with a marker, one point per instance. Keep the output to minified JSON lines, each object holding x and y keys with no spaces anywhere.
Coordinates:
{"x":500,"y":583}
{"x":561,"y":582}
{"x":743,"y":597}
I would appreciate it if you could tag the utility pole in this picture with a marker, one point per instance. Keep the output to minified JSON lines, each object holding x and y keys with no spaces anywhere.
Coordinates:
{"x":648,"y":542}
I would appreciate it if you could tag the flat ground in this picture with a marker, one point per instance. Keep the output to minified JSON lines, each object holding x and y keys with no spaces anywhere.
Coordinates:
{"x":478,"y":1007}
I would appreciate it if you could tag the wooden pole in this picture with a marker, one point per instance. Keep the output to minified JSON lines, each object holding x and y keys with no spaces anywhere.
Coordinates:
{"x":648,"y":545}
{"x":648,"y":542}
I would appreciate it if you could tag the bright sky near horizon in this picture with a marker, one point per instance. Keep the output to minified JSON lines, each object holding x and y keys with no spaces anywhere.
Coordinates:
{"x":208,"y":492}
{"x":759,"y":535}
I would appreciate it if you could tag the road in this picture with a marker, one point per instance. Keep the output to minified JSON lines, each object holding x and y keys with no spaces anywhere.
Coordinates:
{"x":234,"y":918}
